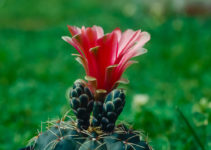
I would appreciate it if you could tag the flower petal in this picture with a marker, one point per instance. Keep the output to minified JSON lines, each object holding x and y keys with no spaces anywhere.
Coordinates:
{"x":82,"y":61}
{"x":74,"y":30}
{"x":100,"y":94}
{"x":70,"y":41}
{"x":109,"y":73}
{"x":119,"y":33}
{"x":99,"y":31}
{"x":106,"y":57}
{"x":94,"y":50}
{"x":143,"y":38}
{"x":127,"y":39}
{"x":92,"y":81}
{"x":120,"y":81}
{"x":122,"y":68}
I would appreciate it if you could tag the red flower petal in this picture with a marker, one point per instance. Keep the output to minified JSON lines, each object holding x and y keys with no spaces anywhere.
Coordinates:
{"x":74,"y":30}
{"x":106,"y":57}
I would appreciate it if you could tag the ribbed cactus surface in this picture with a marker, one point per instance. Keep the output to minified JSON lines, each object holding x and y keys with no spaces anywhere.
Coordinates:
{"x":91,"y":132}
{"x":66,"y":136}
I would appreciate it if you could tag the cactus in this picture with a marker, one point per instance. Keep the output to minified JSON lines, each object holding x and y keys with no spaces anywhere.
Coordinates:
{"x":81,"y":135}
{"x":97,"y":103}
{"x":65,"y":135}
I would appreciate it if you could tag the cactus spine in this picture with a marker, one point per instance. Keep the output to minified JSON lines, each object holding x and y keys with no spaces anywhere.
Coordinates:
{"x":96,"y":133}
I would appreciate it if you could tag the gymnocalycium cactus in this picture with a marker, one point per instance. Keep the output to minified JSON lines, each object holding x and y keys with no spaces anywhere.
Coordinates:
{"x":97,"y":103}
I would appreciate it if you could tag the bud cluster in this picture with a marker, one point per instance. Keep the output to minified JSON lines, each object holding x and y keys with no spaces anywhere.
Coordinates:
{"x":105,"y":113}
{"x":81,"y":101}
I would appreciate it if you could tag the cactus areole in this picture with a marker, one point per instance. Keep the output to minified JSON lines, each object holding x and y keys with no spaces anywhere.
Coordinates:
{"x":96,"y":101}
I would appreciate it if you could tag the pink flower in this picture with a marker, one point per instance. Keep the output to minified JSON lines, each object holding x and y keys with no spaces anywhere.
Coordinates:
{"x":106,"y":56}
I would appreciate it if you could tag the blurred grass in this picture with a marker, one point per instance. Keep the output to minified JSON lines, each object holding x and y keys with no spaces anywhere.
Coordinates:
{"x":36,"y":69}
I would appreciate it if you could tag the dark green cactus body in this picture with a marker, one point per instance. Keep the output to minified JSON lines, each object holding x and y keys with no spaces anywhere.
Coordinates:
{"x":102,"y":134}
{"x":112,"y":108}
{"x":65,"y":136}
{"x":81,"y":101}
{"x":60,"y":137}
{"x":128,"y":139}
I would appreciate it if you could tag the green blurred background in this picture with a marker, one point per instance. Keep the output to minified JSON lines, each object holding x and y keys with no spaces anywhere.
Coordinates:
{"x":36,"y":67}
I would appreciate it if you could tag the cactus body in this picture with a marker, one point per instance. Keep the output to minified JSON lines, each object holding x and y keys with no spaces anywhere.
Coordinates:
{"x":65,"y":136}
{"x":97,"y":133}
